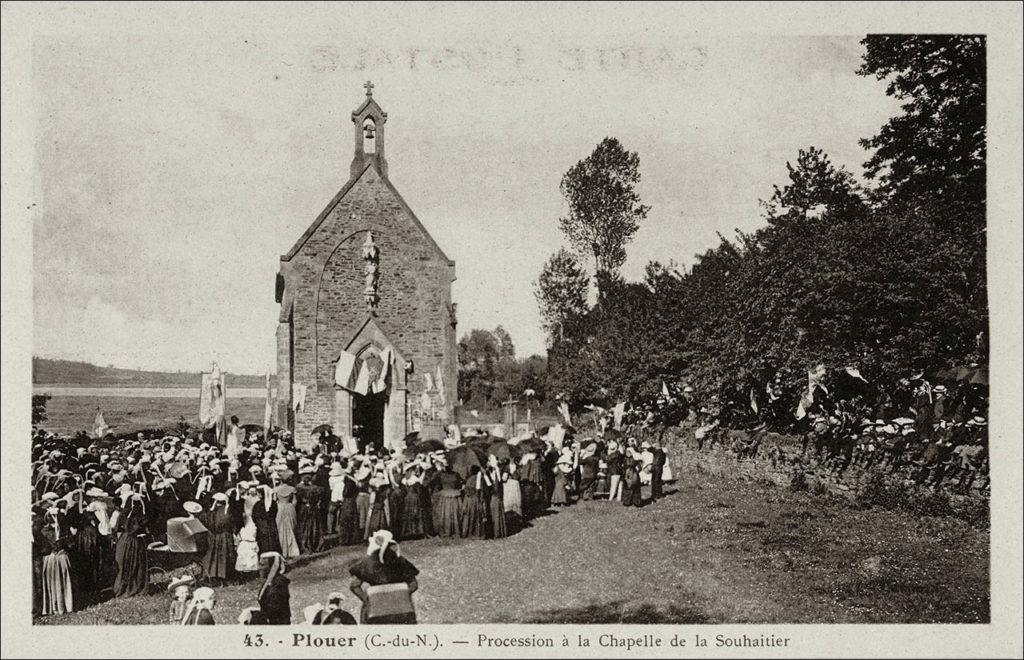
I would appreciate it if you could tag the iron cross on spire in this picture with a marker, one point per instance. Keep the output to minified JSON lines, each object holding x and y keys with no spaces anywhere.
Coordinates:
{"x":369,"y":88}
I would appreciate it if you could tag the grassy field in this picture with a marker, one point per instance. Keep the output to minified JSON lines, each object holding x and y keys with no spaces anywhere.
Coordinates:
{"x":725,"y":546}
{"x":70,"y":414}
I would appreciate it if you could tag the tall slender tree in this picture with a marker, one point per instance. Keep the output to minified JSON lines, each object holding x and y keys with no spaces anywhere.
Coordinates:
{"x":604,"y":206}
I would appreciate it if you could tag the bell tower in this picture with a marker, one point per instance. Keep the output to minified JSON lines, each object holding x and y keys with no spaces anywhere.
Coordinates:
{"x":368,"y":120}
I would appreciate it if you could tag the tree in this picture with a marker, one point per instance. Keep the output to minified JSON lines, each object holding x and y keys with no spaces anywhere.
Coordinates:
{"x":504,"y":343}
{"x":561,"y":292}
{"x":936,"y":149}
{"x":39,"y":402}
{"x":489,"y":372}
{"x":604,"y":207}
{"x":815,"y":186}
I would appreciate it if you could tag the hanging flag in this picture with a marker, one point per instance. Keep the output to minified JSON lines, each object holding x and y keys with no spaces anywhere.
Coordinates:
{"x":298,"y":397}
{"x":268,"y":410}
{"x":439,"y":382}
{"x":664,"y":390}
{"x":753,"y":399}
{"x":814,"y":378}
{"x":563,"y":409}
{"x":362,"y":385}
{"x":380,"y":383}
{"x":556,"y":436}
{"x":99,"y":426}
{"x":211,"y":398}
{"x":428,"y":383}
{"x":617,"y":413}
{"x":346,"y":371}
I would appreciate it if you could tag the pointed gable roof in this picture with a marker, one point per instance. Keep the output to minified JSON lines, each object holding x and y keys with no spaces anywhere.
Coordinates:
{"x":341,"y":195}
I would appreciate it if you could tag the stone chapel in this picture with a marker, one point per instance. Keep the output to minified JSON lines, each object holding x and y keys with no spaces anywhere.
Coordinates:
{"x":366,"y":331}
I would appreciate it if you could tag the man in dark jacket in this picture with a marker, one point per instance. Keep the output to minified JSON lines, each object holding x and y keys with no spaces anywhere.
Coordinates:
{"x":657,"y":469}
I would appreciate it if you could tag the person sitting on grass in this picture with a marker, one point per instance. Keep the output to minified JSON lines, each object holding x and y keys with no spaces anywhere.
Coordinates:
{"x":384,"y":582}
{"x":275,"y":595}
{"x":199,"y":611}
{"x":334,"y":614}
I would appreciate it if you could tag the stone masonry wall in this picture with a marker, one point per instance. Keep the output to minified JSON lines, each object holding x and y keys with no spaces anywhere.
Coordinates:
{"x":326,"y":280}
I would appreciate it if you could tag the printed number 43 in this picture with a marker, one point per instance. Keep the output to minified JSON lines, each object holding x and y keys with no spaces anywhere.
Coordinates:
{"x":254,"y":640}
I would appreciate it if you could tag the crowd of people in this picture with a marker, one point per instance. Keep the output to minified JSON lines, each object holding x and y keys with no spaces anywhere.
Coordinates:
{"x":108,"y":512}
{"x":933,"y":434}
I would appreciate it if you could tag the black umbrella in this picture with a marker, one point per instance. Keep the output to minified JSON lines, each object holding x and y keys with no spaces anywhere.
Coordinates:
{"x":502,"y":450}
{"x":463,"y":458}
{"x":322,"y":429}
{"x":532,"y":444}
{"x":411,"y":438}
{"x":427,"y":446}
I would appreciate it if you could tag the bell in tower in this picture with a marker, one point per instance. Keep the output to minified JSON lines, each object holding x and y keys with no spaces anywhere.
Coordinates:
{"x":368,"y":120}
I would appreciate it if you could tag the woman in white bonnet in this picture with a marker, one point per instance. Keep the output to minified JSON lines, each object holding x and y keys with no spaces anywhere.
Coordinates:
{"x":384,"y":565}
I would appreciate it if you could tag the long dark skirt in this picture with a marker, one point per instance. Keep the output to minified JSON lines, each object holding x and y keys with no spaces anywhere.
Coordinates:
{"x":311,"y":529}
{"x":93,"y":560}
{"x":448,"y":514}
{"x":396,"y":504}
{"x":377,"y":521}
{"x":348,"y":524}
{"x":132,"y":566}
{"x":427,"y":509}
{"x":497,"y":511}
{"x":349,"y":532}
{"x":267,"y":539}
{"x":473,"y":516}
{"x":219,"y":559}
{"x":414,"y":518}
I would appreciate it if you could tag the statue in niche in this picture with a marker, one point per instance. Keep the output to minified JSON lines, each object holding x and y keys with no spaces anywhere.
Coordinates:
{"x":371,"y":257}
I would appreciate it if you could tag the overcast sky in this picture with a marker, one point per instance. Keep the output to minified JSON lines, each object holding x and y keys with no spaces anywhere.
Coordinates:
{"x":172,"y":172}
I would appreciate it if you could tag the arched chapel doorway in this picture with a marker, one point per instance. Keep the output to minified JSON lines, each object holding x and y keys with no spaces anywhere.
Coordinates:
{"x":368,"y":420}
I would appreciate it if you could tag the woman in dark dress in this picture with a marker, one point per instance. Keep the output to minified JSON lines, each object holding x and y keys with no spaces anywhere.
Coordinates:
{"x":448,"y":505}
{"x":383,"y":564}
{"x":264,"y":515}
{"x":334,"y":614}
{"x":93,"y":547}
{"x":495,"y":491}
{"x":414,"y":517}
{"x":396,"y":504}
{"x":380,"y":510}
{"x":349,"y":532}
{"x":130,"y":552}
{"x":473,"y":506}
{"x":219,"y":558}
{"x":275,"y":595}
{"x":311,"y":514}
{"x":631,"y":488}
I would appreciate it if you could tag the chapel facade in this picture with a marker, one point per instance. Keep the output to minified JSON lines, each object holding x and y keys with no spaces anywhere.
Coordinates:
{"x":366,"y":331}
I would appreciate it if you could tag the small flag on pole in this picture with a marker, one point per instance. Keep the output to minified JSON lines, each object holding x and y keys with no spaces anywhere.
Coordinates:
{"x":268,"y":411}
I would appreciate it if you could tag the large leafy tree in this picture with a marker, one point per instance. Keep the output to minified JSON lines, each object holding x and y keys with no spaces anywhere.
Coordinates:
{"x":604,"y":206}
{"x":935,"y":150}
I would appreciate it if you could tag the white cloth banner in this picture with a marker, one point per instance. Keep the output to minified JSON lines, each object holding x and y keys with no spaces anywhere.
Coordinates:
{"x":211,"y":398}
{"x":556,"y":436}
{"x":617,"y":413}
{"x":345,"y":371}
{"x":268,"y":410}
{"x":563,"y":410}
{"x":439,"y":382}
{"x":381,"y":382}
{"x":298,"y":397}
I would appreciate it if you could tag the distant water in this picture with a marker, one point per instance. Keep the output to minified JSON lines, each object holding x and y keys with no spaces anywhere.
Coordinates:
{"x":145,"y":392}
